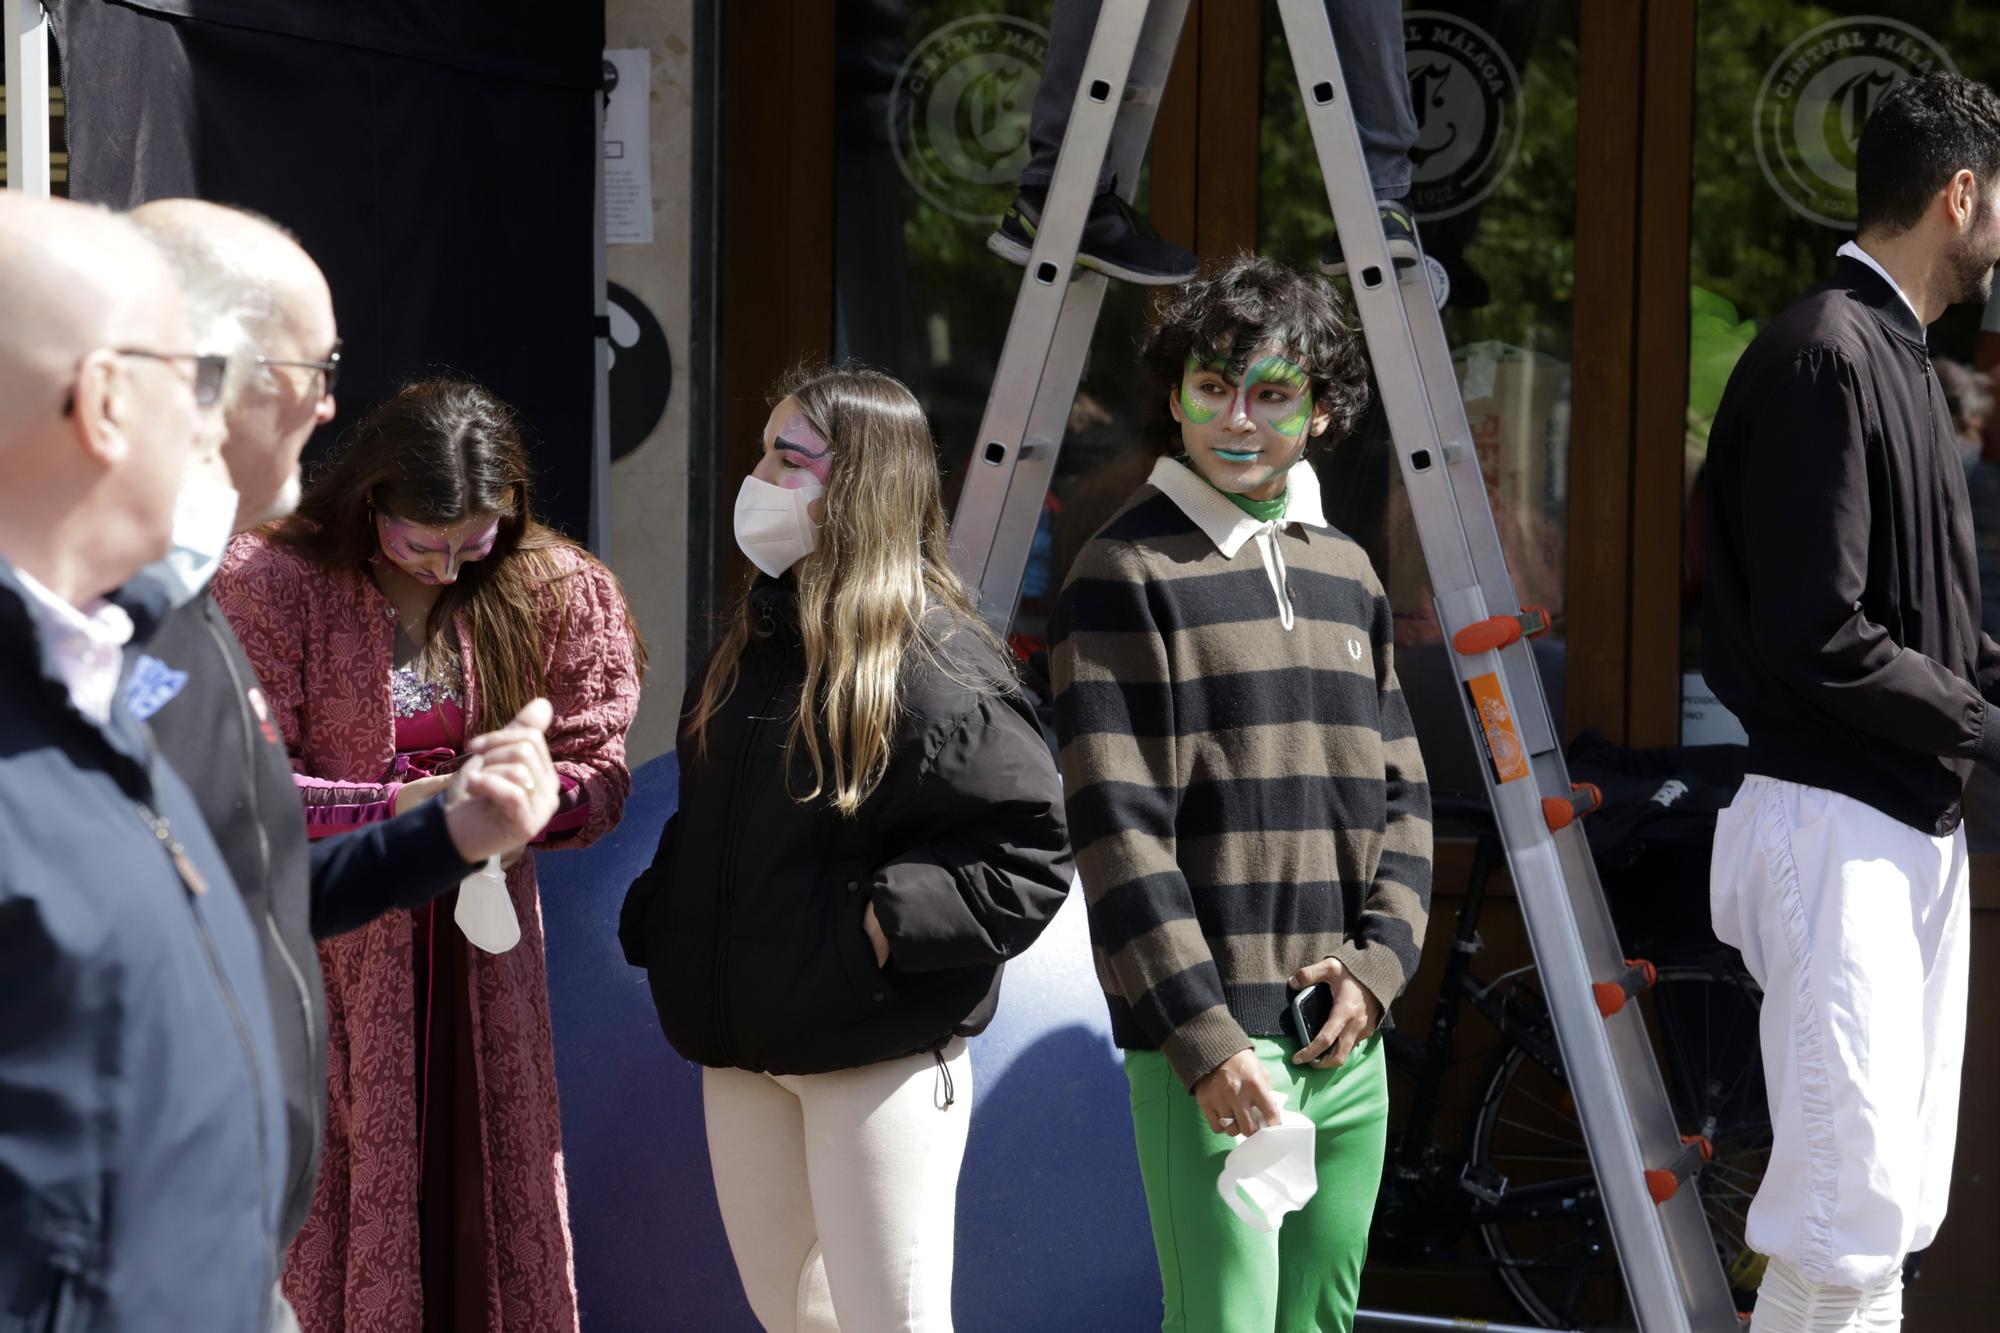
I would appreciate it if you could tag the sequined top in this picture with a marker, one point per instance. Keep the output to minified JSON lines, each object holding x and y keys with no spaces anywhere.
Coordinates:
{"x":415,"y":692}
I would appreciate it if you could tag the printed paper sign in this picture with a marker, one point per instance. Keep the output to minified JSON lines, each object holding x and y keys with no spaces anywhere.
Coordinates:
{"x":628,"y":147}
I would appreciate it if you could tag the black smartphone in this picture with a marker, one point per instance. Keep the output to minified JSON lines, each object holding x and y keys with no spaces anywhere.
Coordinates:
{"x":1311,"y":1008}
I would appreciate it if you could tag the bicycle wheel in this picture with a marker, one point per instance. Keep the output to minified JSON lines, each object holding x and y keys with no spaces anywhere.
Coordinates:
{"x":1548,"y":1238}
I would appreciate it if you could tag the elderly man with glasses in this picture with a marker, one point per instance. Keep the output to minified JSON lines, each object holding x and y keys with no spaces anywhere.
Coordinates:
{"x":142,"y":1137}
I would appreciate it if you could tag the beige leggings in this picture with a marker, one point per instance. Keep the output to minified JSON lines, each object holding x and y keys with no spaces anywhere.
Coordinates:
{"x":839,"y":1191}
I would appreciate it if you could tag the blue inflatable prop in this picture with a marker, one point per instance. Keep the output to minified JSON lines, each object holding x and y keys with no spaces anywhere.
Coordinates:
{"x":1052,"y":1229}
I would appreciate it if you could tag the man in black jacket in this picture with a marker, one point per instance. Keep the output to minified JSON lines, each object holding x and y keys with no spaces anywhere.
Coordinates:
{"x":253,"y":293}
{"x":1842,"y":627}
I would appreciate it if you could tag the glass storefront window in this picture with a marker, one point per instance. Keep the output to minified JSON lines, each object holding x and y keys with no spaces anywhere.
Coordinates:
{"x":933,"y":99}
{"x":1783,"y":91}
{"x":1494,"y":85}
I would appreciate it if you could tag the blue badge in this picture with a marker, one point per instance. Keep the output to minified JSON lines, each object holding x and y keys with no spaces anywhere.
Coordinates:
{"x":152,"y":687}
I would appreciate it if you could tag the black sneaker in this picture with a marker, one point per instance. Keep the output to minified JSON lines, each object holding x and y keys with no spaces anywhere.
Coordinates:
{"x":1398,"y":228}
{"x":1116,"y":241}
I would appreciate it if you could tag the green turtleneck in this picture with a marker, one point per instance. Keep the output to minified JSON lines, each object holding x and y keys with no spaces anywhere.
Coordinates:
{"x":1264,"y":511}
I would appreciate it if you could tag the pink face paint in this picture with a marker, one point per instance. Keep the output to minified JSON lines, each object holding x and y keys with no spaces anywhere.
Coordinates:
{"x":809,"y":456}
{"x":435,"y":555}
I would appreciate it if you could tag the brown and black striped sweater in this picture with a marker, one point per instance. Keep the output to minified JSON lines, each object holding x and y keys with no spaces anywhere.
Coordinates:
{"x":1244,"y":798}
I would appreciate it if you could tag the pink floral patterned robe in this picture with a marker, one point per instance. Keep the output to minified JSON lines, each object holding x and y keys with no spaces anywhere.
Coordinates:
{"x":322,"y":641}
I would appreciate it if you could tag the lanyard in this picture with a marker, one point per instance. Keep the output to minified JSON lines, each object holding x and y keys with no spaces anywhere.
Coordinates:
{"x":190,"y":875}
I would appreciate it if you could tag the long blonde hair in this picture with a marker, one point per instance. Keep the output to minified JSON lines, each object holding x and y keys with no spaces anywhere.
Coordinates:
{"x":870,"y":594}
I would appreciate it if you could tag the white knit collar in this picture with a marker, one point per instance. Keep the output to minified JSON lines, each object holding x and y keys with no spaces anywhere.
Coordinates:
{"x":1218,"y":516}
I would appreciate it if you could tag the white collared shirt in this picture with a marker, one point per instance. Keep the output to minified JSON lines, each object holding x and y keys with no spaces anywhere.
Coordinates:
{"x":1231,"y":528}
{"x":1853,"y":250}
{"x":88,"y":646}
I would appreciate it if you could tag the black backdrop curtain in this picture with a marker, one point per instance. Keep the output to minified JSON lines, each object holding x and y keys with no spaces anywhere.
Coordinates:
{"x":437,"y":159}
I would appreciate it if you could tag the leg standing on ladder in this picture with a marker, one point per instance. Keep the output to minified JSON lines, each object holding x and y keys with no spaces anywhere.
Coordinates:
{"x":1369,"y":36}
{"x":1116,"y":240}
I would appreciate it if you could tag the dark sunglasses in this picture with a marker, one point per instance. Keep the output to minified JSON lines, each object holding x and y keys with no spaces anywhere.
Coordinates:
{"x":329,"y":367}
{"x":209,"y":372}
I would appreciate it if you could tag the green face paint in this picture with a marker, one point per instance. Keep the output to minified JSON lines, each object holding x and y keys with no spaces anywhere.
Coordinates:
{"x":1276,"y":370}
{"x":1253,"y":427}
{"x":1294,"y":425}
{"x":1192,"y":407}
{"x":1280,"y":370}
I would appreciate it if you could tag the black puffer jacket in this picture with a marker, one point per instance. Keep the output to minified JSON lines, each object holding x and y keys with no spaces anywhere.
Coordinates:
{"x":749,"y":921}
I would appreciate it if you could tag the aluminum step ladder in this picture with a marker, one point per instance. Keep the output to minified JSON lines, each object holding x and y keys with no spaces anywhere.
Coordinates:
{"x":1644,"y":1169}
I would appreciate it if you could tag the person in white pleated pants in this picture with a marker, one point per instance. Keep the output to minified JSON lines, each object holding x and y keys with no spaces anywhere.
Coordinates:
{"x":839,"y":1191}
{"x":1840,"y":624}
{"x":1856,"y":926}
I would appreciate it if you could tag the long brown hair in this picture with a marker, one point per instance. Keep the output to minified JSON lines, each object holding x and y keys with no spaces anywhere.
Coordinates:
{"x":871,"y":591}
{"x":438,"y":452}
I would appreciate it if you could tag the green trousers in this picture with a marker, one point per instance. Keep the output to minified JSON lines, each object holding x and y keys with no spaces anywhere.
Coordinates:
{"x":1220,"y":1276}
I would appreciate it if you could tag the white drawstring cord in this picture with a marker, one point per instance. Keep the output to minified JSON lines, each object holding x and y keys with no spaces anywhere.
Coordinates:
{"x":1274,"y":569}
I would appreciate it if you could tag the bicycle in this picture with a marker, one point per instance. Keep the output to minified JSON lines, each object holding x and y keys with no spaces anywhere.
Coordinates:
{"x":1522,"y":1182}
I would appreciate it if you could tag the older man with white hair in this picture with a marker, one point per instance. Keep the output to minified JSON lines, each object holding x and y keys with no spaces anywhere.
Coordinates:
{"x":142,"y":1137}
{"x":256,"y":296}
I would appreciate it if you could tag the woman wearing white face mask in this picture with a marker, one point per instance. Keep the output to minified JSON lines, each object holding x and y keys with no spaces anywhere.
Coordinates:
{"x":870,"y":824}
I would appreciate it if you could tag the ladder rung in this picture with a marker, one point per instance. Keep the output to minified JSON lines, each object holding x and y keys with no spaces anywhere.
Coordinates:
{"x":1562,"y":811}
{"x":1638,"y":977}
{"x":1496,"y":632}
{"x":1696,"y":1152}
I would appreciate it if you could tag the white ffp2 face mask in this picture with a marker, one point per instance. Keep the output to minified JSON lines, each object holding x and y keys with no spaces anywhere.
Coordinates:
{"x":772,"y":525}
{"x":485,"y":911}
{"x":204,"y":520}
{"x":1271,"y":1172}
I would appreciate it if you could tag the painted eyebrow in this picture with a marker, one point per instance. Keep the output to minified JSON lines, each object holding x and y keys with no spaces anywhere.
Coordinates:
{"x":483,"y":543}
{"x":793,"y":446}
{"x":1277,"y":370}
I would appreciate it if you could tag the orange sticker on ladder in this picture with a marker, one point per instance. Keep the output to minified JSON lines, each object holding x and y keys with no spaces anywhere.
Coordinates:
{"x":1503,"y":741}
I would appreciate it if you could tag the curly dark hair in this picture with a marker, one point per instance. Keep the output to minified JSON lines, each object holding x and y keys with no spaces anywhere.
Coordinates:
{"x":1923,"y":132}
{"x":1253,"y":302}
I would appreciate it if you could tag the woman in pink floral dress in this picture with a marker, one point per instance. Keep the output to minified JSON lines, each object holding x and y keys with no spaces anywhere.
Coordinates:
{"x":414,"y":601}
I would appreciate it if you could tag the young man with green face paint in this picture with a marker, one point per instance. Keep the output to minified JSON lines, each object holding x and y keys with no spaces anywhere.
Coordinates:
{"x":1246,"y":796}
{"x":1244,"y":430}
